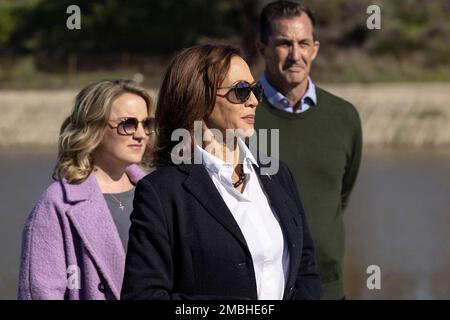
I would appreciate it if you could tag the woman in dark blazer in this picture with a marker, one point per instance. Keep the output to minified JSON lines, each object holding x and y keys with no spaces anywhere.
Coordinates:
{"x":207,"y":224}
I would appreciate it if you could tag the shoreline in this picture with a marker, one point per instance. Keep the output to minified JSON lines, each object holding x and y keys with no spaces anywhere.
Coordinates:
{"x":396,"y":115}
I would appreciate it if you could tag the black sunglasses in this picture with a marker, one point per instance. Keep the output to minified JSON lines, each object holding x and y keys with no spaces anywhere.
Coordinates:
{"x":128,"y":126}
{"x":241,"y":91}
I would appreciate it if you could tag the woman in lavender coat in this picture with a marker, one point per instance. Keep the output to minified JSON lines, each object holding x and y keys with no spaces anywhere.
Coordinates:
{"x":74,"y":240}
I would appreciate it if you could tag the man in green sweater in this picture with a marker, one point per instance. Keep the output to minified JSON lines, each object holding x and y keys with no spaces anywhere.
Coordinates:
{"x":320,"y":134}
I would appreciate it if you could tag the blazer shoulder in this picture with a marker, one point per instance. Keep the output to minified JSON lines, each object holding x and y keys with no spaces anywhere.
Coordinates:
{"x":163,"y":171}
{"x":283,"y":167}
{"x":283,"y":174}
{"x":54,"y":194}
{"x":167,"y":175}
{"x":50,"y":203}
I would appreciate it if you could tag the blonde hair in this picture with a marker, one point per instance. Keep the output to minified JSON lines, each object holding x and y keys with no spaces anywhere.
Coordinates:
{"x":83,"y":130}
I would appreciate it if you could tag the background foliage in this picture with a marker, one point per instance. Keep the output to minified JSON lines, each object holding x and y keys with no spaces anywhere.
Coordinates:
{"x":140,"y":36}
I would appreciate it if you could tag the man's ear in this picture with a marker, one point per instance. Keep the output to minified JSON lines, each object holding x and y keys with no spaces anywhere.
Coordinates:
{"x":316,"y":49}
{"x":260,"y":46}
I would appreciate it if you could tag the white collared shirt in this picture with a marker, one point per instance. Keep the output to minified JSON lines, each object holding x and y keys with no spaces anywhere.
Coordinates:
{"x":278,"y":100}
{"x":257,"y":221}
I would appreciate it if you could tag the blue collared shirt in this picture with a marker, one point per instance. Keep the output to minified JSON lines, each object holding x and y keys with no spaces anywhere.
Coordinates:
{"x":279,"y":101}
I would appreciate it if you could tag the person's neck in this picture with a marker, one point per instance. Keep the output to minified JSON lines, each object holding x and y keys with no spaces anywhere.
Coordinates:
{"x":226,"y":153}
{"x":294,"y":94}
{"x":112,"y":179}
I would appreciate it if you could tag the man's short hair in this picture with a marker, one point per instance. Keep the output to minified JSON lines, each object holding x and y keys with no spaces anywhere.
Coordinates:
{"x":281,"y":9}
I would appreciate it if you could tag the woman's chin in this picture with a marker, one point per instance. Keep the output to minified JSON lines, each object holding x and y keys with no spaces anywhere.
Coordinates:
{"x":245,"y":131}
{"x":248,"y":132}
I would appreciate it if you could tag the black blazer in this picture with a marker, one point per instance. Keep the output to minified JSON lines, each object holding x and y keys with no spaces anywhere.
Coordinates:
{"x":184,"y":242}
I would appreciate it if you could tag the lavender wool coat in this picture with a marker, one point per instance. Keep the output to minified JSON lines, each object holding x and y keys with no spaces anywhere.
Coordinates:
{"x":71,"y":248}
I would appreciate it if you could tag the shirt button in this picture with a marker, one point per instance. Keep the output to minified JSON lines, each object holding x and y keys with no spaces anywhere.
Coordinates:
{"x":101,"y":287}
{"x":291,"y":288}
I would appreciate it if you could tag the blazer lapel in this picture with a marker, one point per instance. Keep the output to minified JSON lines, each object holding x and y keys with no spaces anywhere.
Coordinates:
{"x":285,"y":209}
{"x":93,"y":222}
{"x":200,"y":185}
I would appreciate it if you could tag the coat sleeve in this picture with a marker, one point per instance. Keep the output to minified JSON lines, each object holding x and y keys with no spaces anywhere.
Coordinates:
{"x":149,"y":266}
{"x":307,"y":284}
{"x":42,"y":274}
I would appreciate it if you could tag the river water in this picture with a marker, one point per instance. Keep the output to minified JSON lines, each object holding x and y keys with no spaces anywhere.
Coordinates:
{"x":398,"y":219}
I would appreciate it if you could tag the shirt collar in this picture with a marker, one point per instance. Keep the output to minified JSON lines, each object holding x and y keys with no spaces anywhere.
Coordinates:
{"x":215,"y":165}
{"x":248,"y":159}
{"x":277,"y":99}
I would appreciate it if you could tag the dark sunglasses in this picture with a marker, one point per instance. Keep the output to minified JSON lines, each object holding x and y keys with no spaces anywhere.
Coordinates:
{"x":240,"y":91}
{"x":128,"y":126}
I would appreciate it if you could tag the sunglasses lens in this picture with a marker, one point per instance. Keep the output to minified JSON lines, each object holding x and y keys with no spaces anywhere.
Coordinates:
{"x":149,"y":125}
{"x":258,"y":91}
{"x":242,"y":91}
{"x":129,"y":125}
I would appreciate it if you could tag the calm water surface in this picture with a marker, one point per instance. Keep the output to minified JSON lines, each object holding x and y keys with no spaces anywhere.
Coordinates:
{"x":398,"y":219}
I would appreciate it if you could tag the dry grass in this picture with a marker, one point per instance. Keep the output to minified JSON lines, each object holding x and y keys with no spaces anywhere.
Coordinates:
{"x":411,"y":115}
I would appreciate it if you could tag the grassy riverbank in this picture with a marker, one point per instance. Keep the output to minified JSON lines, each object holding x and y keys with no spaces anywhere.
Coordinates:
{"x":393,"y":115}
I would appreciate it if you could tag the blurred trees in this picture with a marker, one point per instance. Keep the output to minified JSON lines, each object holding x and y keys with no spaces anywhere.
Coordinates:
{"x":413,"y":43}
{"x":413,"y":32}
{"x":115,"y":26}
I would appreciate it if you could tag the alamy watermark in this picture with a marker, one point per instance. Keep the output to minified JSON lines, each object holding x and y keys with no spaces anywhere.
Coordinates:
{"x":73,"y":277}
{"x":73,"y":22}
{"x":257,"y":144}
{"x":374,"y":20}
{"x":374,"y":280}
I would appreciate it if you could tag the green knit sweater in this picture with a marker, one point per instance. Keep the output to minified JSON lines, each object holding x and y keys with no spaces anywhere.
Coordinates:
{"x":322,"y":146}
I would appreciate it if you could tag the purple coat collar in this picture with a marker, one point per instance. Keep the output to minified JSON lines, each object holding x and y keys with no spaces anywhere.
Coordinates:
{"x":86,"y":189}
{"x":93,"y":221}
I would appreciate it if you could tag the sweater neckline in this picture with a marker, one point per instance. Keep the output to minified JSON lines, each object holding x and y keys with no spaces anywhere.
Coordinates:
{"x":288,"y":115}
